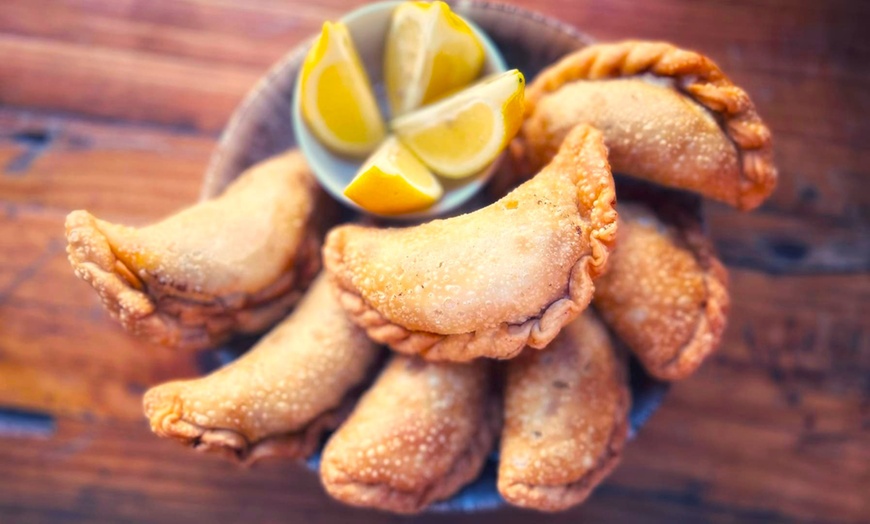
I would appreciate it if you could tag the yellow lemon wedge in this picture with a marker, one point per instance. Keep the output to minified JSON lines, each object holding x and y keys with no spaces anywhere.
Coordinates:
{"x":462,"y":134}
{"x":430,"y":52}
{"x":393,"y":182}
{"x":337,"y":100}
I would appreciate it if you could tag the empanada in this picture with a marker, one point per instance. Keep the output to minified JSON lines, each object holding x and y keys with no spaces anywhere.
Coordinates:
{"x":668,"y":115}
{"x":419,"y":434}
{"x":565,"y":418}
{"x":489,"y":282}
{"x":665,"y":293}
{"x":278,"y":398}
{"x":236,"y":263}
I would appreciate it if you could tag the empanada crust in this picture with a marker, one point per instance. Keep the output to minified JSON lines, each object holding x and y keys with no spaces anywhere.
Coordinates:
{"x":566,"y":418}
{"x":489,"y":282}
{"x":419,"y":434}
{"x":281,"y":396}
{"x":665,"y":293}
{"x":234,"y":264}
{"x":725,"y":154}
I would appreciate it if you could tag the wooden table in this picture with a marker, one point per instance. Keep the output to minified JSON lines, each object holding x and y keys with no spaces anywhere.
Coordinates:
{"x":115,"y":105}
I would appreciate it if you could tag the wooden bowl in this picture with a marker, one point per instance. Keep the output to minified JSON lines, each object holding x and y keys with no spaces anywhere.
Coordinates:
{"x":261,"y":127}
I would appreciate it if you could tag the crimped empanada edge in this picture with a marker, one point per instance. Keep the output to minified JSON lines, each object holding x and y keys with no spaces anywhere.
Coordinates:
{"x":712,"y":321}
{"x":510,"y":338}
{"x":169,"y":422}
{"x":94,"y":262}
{"x":699,"y":78}
{"x":125,"y":297}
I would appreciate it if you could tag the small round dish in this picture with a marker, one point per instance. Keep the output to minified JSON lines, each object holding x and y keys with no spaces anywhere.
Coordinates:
{"x":368,"y":28}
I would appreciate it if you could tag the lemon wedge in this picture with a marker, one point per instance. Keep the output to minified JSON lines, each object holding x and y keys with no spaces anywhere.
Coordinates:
{"x":430,"y":52}
{"x":460,"y":135}
{"x":393,"y":182}
{"x":337,"y":100}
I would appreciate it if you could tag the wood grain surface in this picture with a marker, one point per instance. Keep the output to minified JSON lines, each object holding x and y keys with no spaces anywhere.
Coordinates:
{"x":115,"y":106}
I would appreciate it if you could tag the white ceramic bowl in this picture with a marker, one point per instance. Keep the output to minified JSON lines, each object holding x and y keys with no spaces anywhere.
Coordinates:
{"x":368,"y":28}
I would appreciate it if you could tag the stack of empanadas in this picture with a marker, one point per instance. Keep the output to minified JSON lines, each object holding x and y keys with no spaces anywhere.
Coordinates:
{"x":513,"y":281}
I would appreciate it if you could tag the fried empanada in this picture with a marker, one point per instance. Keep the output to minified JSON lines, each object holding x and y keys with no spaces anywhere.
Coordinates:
{"x":419,"y":434}
{"x":236,"y":263}
{"x":665,"y":293}
{"x":278,"y":398}
{"x":565,"y":418}
{"x":668,"y":115}
{"x":489,"y":282}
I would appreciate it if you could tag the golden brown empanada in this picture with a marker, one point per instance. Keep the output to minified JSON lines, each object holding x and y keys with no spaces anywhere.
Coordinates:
{"x":419,"y":434}
{"x":278,"y":398}
{"x":489,"y":282}
{"x":566,"y":418}
{"x":668,"y":115}
{"x":665,"y":293}
{"x":233,"y":264}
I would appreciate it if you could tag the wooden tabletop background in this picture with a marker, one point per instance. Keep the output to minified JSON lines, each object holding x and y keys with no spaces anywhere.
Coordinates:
{"x":115,"y":106}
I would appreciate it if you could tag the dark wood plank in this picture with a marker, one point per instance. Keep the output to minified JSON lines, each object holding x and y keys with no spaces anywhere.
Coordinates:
{"x":115,"y":105}
{"x":174,"y":59}
{"x":228,"y":33}
{"x":59,"y":352}
{"x":113,"y":84}
{"x":788,"y":242}
{"x":118,"y":171}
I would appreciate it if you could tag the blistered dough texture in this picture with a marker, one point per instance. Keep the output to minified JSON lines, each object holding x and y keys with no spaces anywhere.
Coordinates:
{"x":233,"y":264}
{"x":489,"y":282}
{"x":666,"y":139}
{"x":419,"y":434}
{"x":665,"y":293}
{"x":566,"y":418}
{"x":278,"y":398}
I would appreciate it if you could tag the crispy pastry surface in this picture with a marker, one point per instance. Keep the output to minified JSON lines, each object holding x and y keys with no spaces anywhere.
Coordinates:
{"x":566,"y":418}
{"x":419,"y":434}
{"x":233,"y":264}
{"x":668,"y":115}
{"x":489,"y":282}
{"x":665,"y":293}
{"x":278,"y":398}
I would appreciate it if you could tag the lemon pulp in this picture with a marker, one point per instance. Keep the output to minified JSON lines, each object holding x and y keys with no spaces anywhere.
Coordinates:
{"x":393,"y":182}
{"x":460,"y":135}
{"x":430,"y":52}
{"x":337,"y":99}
